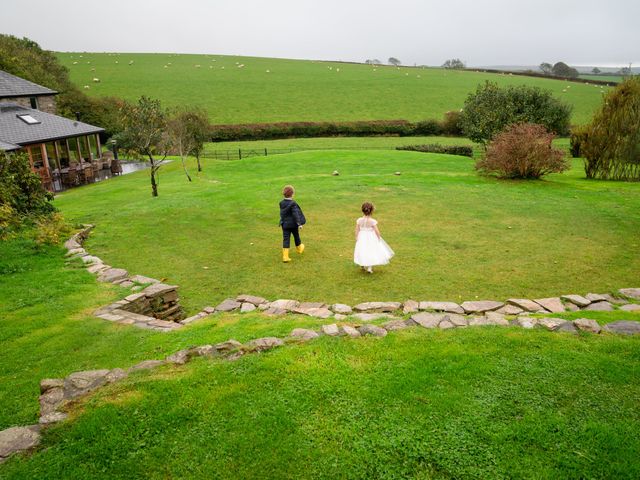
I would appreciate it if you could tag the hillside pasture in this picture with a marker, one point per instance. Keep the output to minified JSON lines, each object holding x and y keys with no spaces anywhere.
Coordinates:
{"x":253,"y":90}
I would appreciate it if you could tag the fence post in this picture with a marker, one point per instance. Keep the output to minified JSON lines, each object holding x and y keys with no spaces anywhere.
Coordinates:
{"x":239,"y":154}
{"x":265,"y":152}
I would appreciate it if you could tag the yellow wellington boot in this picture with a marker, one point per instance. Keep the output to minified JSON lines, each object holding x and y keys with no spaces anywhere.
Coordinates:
{"x":285,"y":255}
{"x":300,"y":248}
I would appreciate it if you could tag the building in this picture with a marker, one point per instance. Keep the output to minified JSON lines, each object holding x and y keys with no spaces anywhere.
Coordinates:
{"x":63,"y":152}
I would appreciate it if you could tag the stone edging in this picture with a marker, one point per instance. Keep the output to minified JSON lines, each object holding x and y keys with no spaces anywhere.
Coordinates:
{"x":157,"y":306}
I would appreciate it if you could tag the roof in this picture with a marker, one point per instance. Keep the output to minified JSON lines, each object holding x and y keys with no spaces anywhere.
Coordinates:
{"x":16,"y":131}
{"x":8,"y":146}
{"x":12,"y":86}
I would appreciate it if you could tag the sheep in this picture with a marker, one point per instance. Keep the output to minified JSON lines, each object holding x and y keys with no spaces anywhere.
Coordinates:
{"x":96,"y":80}
{"x":86,"y":87}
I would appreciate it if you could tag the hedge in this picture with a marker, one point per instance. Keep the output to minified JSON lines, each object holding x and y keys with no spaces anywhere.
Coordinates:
{"x":461,"y":150}
{"x":369,"y":128}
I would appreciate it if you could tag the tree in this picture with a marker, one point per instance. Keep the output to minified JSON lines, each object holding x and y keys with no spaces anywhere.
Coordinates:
{"x":561,"y":69}
{"x":546,"y":68}
{"x":188,"y":130}
{"x":523,"y":150}
{"x":596,"y":71}
{"x":454,"y":63}
{"x":144,"y":135}
{"x":394,"y":61}
{"x":490,"y":109}
{"x":610,"y":144}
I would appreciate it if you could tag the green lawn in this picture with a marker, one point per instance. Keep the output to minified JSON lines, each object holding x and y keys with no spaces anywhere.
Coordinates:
{"x":605,"y":78}
{"x":457,"y":235}
{"x":472,"y":403}
{"x":297,"y":90}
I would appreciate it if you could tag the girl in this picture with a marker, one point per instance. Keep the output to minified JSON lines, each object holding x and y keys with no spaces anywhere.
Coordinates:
{"x":371,"y":249}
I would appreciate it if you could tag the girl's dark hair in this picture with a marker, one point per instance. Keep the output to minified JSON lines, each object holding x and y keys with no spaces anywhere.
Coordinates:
{"x":288,"y":191}
{"x":367,"y":208}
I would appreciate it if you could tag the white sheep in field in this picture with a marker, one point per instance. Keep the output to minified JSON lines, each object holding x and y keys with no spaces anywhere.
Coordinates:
{"x":268,"y":71}
{"x":116,"y":62}
{"x":221,"y":68}
{"x":130,"y":62}
{"x":96,"y":80}
{"x":197,"y":66}
{"x":86,"y":87}
{"x":337,"y":69}
{"x":75,"y":63}
{"x":241,"y":65}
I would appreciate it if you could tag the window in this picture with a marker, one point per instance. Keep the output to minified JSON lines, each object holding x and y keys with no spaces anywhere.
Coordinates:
{"x":28,"y":119}
{"x":95,"y":151}
{"x":51,"y":155}
{"x":74,"y":155}
{"x":34,"y":103}
{"x":63,"y":153}
{"x":84,"y":148}
{"x":36,"y":156}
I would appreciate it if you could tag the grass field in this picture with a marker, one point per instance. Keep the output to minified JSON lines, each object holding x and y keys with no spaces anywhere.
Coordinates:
{"x":297,"y":89}
{"x":472,"y":403}
{"x":476,"y":403}
{"x":606,"y":78}
{"x":456,"y":235}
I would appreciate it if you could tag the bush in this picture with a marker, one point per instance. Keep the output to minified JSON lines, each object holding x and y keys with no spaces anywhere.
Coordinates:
{"x":451,"y":123}
{"x":578,"y":136}
{"x":611,"y":143}
{"x":490,"y":109}
{"x":51,"y":229}
{"x":523,"y":150}
{"x":428,"y":127}
{"x":22,"y":196}
{"x":461,"y":150}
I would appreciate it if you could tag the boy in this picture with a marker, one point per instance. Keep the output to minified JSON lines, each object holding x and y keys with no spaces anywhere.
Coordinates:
{"x":291,"y":220}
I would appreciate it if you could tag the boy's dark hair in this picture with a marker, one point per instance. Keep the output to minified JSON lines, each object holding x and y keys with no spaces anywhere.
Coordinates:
{"x":288,"y":191}
{"x":367,"y":208}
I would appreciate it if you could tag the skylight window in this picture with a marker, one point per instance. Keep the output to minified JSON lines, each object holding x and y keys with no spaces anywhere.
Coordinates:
{"x":28,"y":119}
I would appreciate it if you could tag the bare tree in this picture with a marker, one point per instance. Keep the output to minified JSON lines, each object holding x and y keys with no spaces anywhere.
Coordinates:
{"x":546,"y":68}
{"x":454,"y":63}
{"x":394,"y":61}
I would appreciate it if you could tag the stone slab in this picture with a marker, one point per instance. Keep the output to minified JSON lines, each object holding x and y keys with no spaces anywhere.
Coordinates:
{"x":578,"y":300}
{"x":251,"y":299}
{"x":599,"y":307}
{"x":481,"y":306}
{"x":450,"y":307}
{"x":551,"y":304}
{"x":525,"y":304}
{"x":587,"y":325}
{"x":378,"y":307}
{"x":342,"y":309}
{"x":625,"y":327}
{"x":372,"y":330}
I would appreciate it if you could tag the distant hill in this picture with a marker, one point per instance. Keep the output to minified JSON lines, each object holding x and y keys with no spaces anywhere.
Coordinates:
{"x":258,"y":90}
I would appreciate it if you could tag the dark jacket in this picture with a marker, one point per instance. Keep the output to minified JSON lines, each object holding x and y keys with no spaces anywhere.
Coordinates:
{"x":291,"y":215}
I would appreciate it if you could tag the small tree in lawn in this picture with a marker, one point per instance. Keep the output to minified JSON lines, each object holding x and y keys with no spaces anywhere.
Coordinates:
{"x":523,"y":150}
{"x":596,"y":71}
{"x":143,"y":134}
{"x":188,"y":130}
{"x":394,"y":61}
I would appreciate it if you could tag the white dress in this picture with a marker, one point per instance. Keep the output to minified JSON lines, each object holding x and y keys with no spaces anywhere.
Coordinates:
{"x":370,"y":250}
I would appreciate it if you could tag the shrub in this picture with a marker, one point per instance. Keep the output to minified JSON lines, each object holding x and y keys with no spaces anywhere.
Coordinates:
{"x":51,"y":229}
{"x":22,"y":196}
{"x":461,"y":150}
{"x":578,"y":136}
{"x":611,"y":143}
{"x":451,"y":123}
{"x":428,"y":127}
{"x":523,"y":150}
{"x":490,"y":109}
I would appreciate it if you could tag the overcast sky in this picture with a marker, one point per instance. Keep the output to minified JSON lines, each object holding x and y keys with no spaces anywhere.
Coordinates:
{"x":480,"y":32}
